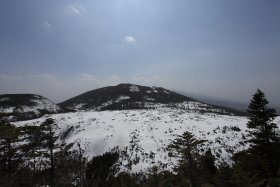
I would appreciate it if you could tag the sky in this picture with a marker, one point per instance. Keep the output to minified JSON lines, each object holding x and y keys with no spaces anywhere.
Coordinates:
{"x":59,"y":49}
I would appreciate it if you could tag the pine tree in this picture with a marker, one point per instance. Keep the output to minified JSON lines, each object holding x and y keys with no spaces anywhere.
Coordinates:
{"x":81,"y":162}
{"x":10,"y":154}
{"x":100,"y":168}
{"x":260,"y":120}
{"x":208,"y":168}
{"x":70,"y":165}
{"x":187,"y":146}
{"x":9,"y":136}
{"x":49,"y":137}
{"x":33,"y":148}
{"x":264,"y":137}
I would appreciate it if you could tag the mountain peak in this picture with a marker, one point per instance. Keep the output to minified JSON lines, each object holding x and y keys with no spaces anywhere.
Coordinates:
{"x":123,"y":96}
{"x":25,"y":106}
{"x":131,"y":96}
{"x":131,"y":87}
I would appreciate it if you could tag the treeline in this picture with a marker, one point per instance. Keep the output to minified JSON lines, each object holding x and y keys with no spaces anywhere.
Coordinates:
{"x":31,"y":156}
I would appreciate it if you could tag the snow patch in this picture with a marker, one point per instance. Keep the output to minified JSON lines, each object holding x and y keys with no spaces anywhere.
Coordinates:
{"x":79,"y":106}
{"x":166,"y":91}
{"x":4,"y":99}
{"x":122,"y":97}
{"x":7,"y":109}
{"x":36,"y":97}
{"x":134,"y":88}
{"x":149,"y":99}
{"x":155,"y":89}
{"x":42,"y":104}
{"x":108,"y":103}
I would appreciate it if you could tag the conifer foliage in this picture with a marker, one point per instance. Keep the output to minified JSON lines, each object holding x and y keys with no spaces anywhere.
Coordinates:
{"x":50,"y":138}
{"x":265,"y":139}
{"x":259,"y":165}
{"x":261,"y":117}
{"x":9,"y":156}
{"x":186,"y":145}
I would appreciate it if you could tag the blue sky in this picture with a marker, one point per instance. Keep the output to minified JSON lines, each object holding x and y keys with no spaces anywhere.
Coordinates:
{"x":225,"y":49}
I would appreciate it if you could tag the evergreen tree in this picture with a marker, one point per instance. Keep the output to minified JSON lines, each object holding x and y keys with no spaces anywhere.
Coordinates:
{"x":9,"y":136}
{"x":264,"y":137}
{"x":33,"y":148}
{"x":101,"y":168}
{"x":10,"y":153}
{"x":187,"y":147}
{"x":207,"y":166}
{"x":70,"y":165}
{"x":49,"y":139}
{"x":208,"y":163}
{"x":81,"y":164}
{"x":259,"y":165}
{"x":260,"y":120}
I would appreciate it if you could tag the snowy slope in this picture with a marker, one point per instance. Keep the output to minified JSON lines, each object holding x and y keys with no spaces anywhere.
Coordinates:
{"x":25,"y":106}
{"x":142,"y":136}
{"x":130,"y":96}
{"x":123,"y":96}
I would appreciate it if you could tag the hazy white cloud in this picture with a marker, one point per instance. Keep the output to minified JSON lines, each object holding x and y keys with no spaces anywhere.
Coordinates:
{"x":153,"y":80}
{"x":45,"y":77}
{"x":76,"y":9}
{"x":46,"y":25}
{"x":129,"y":40}
{"x":88,"y":80}
{"x":87,"y":77}
{"x":4,"y":77}
{"x":114,"y":77}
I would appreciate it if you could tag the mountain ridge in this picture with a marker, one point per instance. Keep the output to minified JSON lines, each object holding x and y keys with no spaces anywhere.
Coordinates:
{"x":15,"y":107}
{"x":127,"y":96}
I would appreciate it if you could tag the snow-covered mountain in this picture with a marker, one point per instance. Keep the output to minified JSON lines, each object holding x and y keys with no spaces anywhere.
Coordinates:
{"x":130,"y":96}
{"x":141,"y":122}
{"x":25,"y":106}
{"x":123,"y":96}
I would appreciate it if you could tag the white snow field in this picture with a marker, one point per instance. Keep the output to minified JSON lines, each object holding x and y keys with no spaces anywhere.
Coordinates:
{"x":142,"y":136}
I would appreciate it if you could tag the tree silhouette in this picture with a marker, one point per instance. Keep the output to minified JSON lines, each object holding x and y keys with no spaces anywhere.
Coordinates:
{"x":264,"y":137}
{"x":187,"y":147}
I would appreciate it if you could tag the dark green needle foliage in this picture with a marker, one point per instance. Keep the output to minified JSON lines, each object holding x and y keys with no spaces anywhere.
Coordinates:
{"x":260,"y":163}
{"x":186,"y":146}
